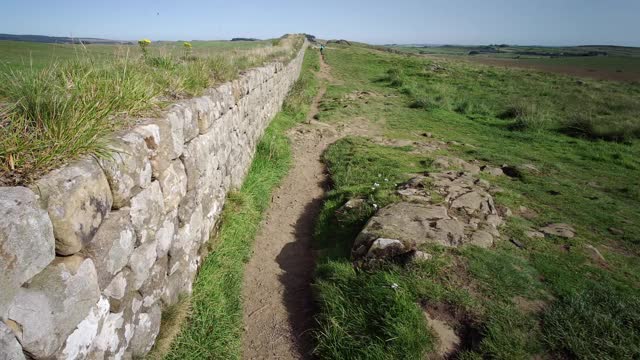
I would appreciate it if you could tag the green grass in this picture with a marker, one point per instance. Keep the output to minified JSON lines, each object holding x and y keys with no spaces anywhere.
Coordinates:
{"x":215,"y":327}
{"x":580,"y":307}
{"x":69,"y":104}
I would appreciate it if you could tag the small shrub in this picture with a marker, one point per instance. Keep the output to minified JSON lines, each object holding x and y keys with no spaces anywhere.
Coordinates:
{"x":421,"y":103}
{"x":395,"y":77}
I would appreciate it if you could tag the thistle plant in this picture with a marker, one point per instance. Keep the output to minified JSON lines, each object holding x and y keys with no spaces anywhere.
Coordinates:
{"x":144,"y":44}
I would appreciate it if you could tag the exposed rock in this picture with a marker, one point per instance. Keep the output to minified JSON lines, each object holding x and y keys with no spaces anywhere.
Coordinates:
{"x":482,"y":239}
{"x":173,"y":182}
{"x":10,"y":348}
{"x":534,"y":234}
{"x":112,"y":246}
{"x":527,"y":213}
{"x":146,"y":211}
{"x":127,"y":168}
{"x":560,"y":230}
{"x":110,"y":342}
{"x":492,"y":170}
{"x":419,"y":256}
{"x":389,"y":248}
{"x":467,"y":216}
{"x":147,"y":326}
{"x":529,"y":168}
{"x":79,"y":343}
{"x":26,"y":241}
{"x":54,"y":303}
{"x":77,"y":198}
{"x":351,"y":204}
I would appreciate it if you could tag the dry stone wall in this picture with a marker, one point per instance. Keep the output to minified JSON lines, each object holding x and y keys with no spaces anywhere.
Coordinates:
{"x":91,"y":252}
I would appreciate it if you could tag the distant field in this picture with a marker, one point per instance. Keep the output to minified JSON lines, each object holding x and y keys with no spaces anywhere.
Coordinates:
{"x":20,"y":55}
{"x":620,"y":63}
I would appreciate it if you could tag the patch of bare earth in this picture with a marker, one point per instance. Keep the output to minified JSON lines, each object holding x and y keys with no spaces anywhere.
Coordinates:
{"x":455,"y":329}
{"x":278,"y":307}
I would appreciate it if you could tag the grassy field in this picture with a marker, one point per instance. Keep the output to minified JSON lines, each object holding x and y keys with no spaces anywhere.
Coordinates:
{"x":58,"y":102}
{"x":620,"y":63}
{"x":213,"y":331}
{"x":549,"y":297}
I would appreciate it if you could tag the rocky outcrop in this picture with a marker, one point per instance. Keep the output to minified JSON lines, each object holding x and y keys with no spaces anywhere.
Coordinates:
{"x":449,"y":208}
{"x":128,"y":229}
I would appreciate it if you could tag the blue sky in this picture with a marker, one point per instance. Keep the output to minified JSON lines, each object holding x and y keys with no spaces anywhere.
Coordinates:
{"x":544,"y":22}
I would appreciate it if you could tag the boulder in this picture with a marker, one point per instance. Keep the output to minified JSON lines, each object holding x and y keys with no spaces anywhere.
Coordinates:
{"x":54,"y":303}
{"x":494,"y":171}
{"x":110,"y":343}
{"x":482,"y":239}
{"x":112,"y":246}
{"x":10,"y":348}
{"x":77,"y":198}
{"x":79,"y":343}
{"x":27,"y":244}
{"x":560,"y":230}
{"x":127,"y":168}
{"x":383,"y":248}
{"x":534,"y":234}
{"x":173,"y":182}
{"x":146,"y":212}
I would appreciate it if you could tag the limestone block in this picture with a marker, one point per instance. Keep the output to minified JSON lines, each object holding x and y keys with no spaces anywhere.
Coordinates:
{"x":118,"y":288}
{"x":166,"y":233}
{"x":183,"y":112}
{"x":79,"y":343}
{"x":152,"y":289}
{"x":54,"y":303}
{"x":176,"y":126}
{"x":127,"y":168}
{"x":10,"y":348}
{"x":112,"y":246}
{"x":147,"y":326}
{"x":110,"y":342}
{"x":77,"y":198}
{"x":27,"y":244}
{"x":141,"y":262}
{"x":157,"y":137}
{"x":173,"y":182}
{"x":204,"y":112}
{"x":146,"y":212}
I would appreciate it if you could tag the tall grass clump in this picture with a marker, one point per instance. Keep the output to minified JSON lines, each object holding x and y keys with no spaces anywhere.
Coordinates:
{"x":526,"y":116}
{"x":589,"y":126}
{"x":64,"y":110}
{"x":214,"y":329}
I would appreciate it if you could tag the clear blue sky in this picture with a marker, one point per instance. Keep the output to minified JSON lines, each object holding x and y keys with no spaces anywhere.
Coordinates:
{"x":545,"y":22}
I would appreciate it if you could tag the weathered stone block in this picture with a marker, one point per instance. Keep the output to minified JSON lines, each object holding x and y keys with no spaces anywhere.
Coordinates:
{"x":152,"y":289}
{"x":173,"y":182}
{"x":79,"y":343}
{"x":146,"y":212}
{"x":141,"y":262}
{"x":54,"y":303}
{"x":112,"y":246}
{"x":10,"y":348}
{"x":26,"y":241}
{"x":77,"y":198}
{"x":166,"y":233}
{"x":147,"y":326}
{"x":127,"y":168}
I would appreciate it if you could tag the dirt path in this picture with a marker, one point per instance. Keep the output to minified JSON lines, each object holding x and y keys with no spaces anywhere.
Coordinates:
{"x":278,"y":308}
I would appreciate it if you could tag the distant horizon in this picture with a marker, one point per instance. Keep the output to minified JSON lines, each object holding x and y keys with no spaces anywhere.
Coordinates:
{"x":544,"y":22}
{"x":267,"y":38}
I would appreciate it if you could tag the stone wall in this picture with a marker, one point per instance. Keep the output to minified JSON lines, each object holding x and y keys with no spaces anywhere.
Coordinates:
{"x":91,"y":252}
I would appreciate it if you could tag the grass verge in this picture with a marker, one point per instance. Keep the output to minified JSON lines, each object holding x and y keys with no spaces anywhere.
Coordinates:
{"x":214,"y":329}
{"x":548,"y":298}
